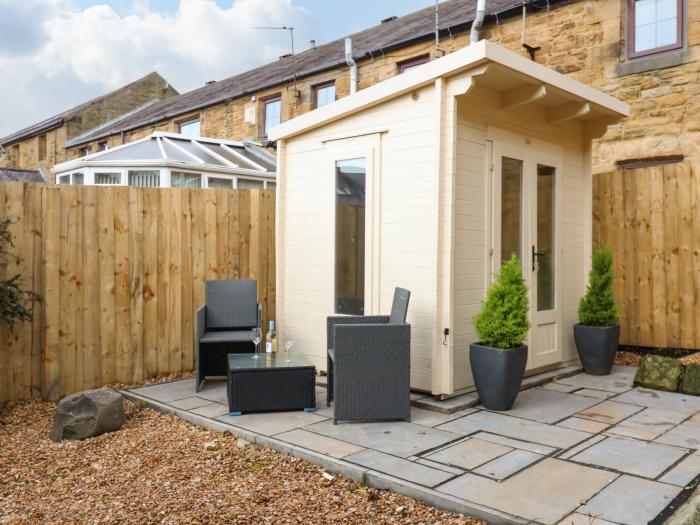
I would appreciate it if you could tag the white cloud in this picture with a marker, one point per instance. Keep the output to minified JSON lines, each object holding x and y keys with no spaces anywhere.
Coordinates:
{"x":57,"y":56}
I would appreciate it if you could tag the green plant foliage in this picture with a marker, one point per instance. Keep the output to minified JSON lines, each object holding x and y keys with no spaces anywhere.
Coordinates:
{"x":598,"y":307}
{"x":13,"y":299}
{"x":502,"y":321}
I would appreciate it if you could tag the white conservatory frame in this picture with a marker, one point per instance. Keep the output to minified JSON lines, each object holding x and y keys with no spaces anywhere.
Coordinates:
{"x":91,"y":165}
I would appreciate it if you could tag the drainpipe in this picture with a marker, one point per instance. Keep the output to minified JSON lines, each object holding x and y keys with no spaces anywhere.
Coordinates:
{"x":353,"y":65}
{"x":478,"y":20}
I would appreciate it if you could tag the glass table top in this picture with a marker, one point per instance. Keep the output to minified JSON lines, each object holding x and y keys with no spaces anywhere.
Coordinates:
{"x":272,"y":360}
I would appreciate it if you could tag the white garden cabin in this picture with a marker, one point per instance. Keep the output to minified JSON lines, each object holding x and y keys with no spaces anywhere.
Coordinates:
{"x":428,"y":181}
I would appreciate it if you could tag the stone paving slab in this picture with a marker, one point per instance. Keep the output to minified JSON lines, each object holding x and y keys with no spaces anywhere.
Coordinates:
{"x":468,"y":454}
{"x":544,"y":493}
{"x":211,"y":410}
{"x":537,"y":448}
{"x":567,"y":454}
{"x":400,"y":467}
{"x":189,"y":403}
{"x":672,"y":401}
{"x":648,"y":424}
{"x":271,"y":424}
{"x":631,"y":456}
{"x":609,"y":412}
{"x":448,"y":406}
{"x":440,"y":466}
{"x":393,"y":437}
{"x":325,"y":445}
{"x":431,"y":418}
{"x":508,"y":464}
{"x":620,"y":380}
{"x":171,"y":391}
{"x":517,"y":428}
{"x":584,"y":425}
{"x":548,"y":406}
{"x":214,"y":391}
{"x":582,"y":519}
{"x":590,"y":392}
{"x":683,"y":473}
{"x":684,"y":435}
{"x":560,"y":387}
{"x":631,"y":501}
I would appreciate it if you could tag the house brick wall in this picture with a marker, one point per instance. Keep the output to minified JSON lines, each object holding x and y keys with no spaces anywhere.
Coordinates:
{"x":584,"y":39}
{"x":100,"y":111}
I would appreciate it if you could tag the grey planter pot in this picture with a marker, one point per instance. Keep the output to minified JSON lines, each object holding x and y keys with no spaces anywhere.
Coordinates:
{"x":597,"y":346}
{"x":497,"y":374}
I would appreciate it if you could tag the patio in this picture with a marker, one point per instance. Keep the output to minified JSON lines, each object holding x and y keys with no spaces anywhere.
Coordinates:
{"x":577,"y":447}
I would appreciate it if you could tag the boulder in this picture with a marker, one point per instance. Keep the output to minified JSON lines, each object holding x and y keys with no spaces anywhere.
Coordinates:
{"x":691,"y":380}
{"x":88,"y":414}
{"x":661,"y":373}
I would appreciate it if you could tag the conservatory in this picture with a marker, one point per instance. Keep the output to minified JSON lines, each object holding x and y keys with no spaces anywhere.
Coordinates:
{"x":169,"y":160}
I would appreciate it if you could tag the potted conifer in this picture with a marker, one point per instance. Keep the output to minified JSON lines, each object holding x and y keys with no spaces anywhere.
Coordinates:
{"x":498,"y":360}
{"x":598,"y":330}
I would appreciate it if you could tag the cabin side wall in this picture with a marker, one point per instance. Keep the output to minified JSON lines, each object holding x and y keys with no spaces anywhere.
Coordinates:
{"x":400,"y":135}
{"x":476,"y":113}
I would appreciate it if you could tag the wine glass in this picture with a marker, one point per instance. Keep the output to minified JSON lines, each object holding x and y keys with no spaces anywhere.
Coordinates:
{"x":288,"y":344}
{"x":256,"y":336}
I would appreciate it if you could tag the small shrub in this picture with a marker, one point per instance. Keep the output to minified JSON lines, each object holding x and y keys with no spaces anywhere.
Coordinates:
{"x":598,"y":307}
{"x":13,"y":299}
{"x":503,"y":319}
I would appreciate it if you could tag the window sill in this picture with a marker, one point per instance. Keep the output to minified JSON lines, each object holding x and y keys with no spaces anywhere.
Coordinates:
{"x":661,"y":61}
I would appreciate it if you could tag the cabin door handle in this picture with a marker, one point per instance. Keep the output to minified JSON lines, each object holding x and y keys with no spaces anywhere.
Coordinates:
{"x":535,"y":255}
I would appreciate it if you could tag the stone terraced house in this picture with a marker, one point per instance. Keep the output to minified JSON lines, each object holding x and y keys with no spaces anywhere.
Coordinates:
{"x":644,"y":52}
{"x":43,"y":144}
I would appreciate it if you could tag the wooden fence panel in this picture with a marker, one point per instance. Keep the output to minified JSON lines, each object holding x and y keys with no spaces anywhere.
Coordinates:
{"x":121,"y":271}
{"x":650,"y":218}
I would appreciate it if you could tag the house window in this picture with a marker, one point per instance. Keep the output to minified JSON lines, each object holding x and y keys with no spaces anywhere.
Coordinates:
{"x":413,"y":63}
{"x":272,"y":113}
{"x":64,"y":179}
{"x":77,"y":178}
{"x":110,"y":179}
{"x":324,"y":94}
{"x":249,"y":184}
{"x":179,"y":179}
{"x":190,"y":128}
{"x":350,"y":236}
{"x":654,"y":26}
{"x":101,"y":146}
{"x":144,"y":178}
{"x":220,"y":183}
{"x":84,"y":151}
{"x":41,"y":147}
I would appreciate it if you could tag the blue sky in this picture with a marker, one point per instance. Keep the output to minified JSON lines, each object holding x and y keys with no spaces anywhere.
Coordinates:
{"x":61,"y":53}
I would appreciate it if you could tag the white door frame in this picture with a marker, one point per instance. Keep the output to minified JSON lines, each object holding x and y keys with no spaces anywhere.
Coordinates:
{"x":545,"y":336}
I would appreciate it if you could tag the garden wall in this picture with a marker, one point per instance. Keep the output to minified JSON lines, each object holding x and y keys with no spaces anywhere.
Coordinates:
{"x":122,"y":271}
{"x":650,"y":217}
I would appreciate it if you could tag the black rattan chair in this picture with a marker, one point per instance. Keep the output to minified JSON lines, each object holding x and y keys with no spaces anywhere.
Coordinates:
{"x":223,"y":325}
{"x":369,"y":364}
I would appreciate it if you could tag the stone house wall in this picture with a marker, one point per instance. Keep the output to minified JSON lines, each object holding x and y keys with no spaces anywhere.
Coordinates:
{"x":584,"y":39}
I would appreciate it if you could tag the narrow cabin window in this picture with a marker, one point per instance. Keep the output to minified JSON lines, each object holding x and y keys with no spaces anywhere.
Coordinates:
{"x":350,"y":181}
{"x":654,"y":26}
{"x":324,"y":94}
{"x":77,"y":178}
{"x":108,"y":179}
{"x":179,"y":179}
{"x":546,"y":231}
{"x":511,"y":208}
{"x":272,"y":113}
{"x":218,"y":182}
{"x":144,"y":178}
{"x":41,"y":146}
{"x":64,"y":179}
{"x":413,"y":63}
{"x":190,"y":128}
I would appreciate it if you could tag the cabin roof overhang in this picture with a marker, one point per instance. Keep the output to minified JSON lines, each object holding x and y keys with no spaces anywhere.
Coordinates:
{"x":520,"y":81}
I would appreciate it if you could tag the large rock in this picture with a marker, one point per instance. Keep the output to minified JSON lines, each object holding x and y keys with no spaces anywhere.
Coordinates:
{"x":691,"y":379}
{"x":88,"y":414}
{"x":661,"y":373}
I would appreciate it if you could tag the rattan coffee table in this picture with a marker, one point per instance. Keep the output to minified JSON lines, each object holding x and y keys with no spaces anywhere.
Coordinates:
{"x":270,"y":383}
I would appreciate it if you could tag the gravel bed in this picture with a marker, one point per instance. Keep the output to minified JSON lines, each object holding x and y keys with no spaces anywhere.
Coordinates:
{"x":159,"y":469}
{"x":632,"y":358}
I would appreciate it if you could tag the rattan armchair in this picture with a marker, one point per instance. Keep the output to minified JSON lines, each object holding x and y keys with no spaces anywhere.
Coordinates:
{"x":369,"y":364}
{"x":223,"y":325}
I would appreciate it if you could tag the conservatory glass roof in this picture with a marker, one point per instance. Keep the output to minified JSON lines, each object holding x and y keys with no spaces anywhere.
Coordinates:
{"x":174,"y":149}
